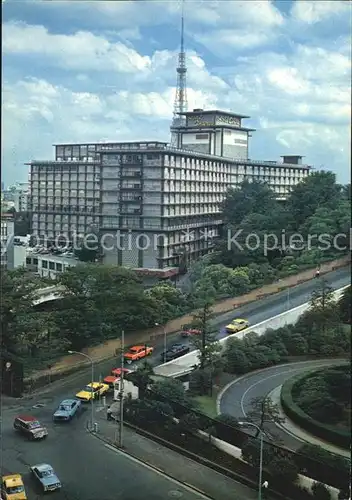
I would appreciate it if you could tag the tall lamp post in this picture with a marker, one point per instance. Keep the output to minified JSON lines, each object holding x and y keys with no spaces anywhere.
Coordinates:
{"x":250,"y":424}
{"x":92,"y":375}
{"x":165,"y":343}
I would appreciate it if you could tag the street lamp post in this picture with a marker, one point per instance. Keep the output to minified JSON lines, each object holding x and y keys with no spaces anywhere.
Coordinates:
{"x":92,"y":376}
{"x":250,"y":424}
{"x":165,"y":343}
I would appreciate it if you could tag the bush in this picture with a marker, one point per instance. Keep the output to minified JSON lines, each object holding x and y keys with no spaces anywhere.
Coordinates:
{"x":283,"y":470}
{"x":329,"y":433}
{"x":319,"y":464}
{"x":320,"y":492}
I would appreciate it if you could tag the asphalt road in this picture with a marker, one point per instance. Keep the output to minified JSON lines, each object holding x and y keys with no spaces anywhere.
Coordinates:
{"x":88,"y":468}
{"x":237,"y":397}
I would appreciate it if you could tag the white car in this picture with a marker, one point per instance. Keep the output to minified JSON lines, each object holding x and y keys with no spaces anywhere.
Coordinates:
{"x":46,"y":476}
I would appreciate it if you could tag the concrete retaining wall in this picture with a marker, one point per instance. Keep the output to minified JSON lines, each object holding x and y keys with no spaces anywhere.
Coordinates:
{"x":185,"y":364}
{"x":228,"y":448}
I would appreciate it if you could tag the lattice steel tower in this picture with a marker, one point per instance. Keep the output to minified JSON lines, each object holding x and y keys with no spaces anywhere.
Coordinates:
{"x":180,"y":104}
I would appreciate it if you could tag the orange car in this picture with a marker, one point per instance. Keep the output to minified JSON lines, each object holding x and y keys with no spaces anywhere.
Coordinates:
{"x":115,"y":375}
{"x":137,"y":352}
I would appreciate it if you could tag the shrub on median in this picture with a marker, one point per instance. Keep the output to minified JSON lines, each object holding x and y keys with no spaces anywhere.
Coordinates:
{"x":329,"y":433}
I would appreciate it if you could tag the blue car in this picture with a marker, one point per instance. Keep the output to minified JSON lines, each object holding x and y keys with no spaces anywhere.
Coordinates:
{"x":46,"y":476}
{"x":67,"y":410}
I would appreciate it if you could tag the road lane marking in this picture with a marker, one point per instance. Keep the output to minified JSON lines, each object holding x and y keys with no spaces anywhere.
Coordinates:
{"x":242,"y":378}
{"x":259,"y":382}
{"x":159,"y":472}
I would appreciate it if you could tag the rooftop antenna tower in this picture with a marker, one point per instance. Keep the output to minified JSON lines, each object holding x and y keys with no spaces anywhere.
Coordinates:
{"x":180,"y":104}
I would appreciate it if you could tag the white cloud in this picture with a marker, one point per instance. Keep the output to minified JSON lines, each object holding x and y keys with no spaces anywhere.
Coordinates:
{"x":81,"y":51}
{"x":86,"y":86}
{"x":312,"y":12}
{"x":288,"y":80}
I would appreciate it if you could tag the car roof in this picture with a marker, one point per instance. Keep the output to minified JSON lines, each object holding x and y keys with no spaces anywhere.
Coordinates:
{"x":42,"y":467}
{"x":68,"y":401}
{"x":16,"y":479}
{"x":27,"y":418}
{"x":93,"y":384}
{"x":137,"y":347}
{"x":238,"y":320}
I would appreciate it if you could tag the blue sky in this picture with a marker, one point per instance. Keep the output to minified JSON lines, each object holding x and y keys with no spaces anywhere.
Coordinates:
{"x":90,"y":71}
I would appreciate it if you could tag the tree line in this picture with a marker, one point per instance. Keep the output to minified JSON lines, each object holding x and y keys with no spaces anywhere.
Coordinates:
{"x":310,"y":228}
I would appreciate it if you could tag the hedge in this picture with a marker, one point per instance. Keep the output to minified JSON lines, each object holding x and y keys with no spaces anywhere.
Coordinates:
{"x":329,"y":433}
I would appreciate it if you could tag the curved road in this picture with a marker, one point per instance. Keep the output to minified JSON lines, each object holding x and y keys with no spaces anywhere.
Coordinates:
{"x":86,"y":467}
{"x":237,"y":396}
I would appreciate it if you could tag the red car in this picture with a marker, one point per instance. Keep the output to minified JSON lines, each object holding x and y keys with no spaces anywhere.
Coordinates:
{"x":188,"y":331}
{"x":115,"y":375}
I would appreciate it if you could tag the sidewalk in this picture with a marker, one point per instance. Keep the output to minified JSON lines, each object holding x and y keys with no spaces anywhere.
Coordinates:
{"x":291,"y":428}
{"x":179,"y":467}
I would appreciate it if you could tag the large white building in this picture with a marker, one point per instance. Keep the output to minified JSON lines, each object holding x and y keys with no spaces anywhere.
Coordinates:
{"x":163,"y":201}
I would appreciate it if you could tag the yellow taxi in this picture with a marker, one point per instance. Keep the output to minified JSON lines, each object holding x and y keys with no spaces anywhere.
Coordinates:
{"x":12,"y":488}
{"x":92,"y":391}
{"x":237,"y":325}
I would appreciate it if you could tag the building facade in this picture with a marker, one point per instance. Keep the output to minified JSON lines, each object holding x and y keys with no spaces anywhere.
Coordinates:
{"x":151,"y":204}
{"x":47,"y":264}
{"x":7,"y":240}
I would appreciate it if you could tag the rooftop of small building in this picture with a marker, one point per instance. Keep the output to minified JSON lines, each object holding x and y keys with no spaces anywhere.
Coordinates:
{"x":199,"y":111}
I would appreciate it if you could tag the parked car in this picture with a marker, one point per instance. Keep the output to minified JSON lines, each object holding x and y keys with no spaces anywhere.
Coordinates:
{"x":12,"y":488}
{"x":30,"y":427}
{"x":137,"y":352}
{"x":175,"y":351}
{"x":237,"y":325}
{"x":46,"y":476}
{"x":115,"y":375}
{"x":188,"y":331}
{"x":67,"y":410}
{"x":93,"y":390}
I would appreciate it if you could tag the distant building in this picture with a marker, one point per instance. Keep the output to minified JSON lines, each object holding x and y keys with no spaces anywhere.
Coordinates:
{"x":163,"y":200}
{"x":47,"y":264}
{"x":7,"y":240}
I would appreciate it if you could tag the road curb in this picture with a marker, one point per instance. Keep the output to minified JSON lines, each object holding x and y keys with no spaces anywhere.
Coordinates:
{"x":148,"y":464}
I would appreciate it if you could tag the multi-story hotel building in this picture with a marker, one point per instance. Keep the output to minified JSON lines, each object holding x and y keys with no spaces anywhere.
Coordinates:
{"x":164,"y":200}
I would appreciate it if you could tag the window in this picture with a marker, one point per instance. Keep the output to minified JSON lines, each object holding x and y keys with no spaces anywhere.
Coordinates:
{"x":202,"y":136}
{"x":52,"y":265}
{"x":28,"y":260}
{"x":44,"y":264}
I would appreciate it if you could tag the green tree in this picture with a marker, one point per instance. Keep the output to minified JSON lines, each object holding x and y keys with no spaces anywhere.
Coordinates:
{"x":344,"y":305}
{"x":209,"y":348}
{"x":236,"y":360}
{"x":283,"y":470}
{"x":18,"y":289}
{"x":318,"y":190}
{"x":173,"y":392}
{"x":320,"y":491}
{"x":142,"y":378}
{"x":100,"y":301}
{"x":263,"y":410}
{"x":171,"y":301}
{"x":245,"y":199}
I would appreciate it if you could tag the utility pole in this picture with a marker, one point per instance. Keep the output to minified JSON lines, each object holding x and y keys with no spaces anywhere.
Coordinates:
{"x":121,"y":387}
{"x":204,"y":325}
